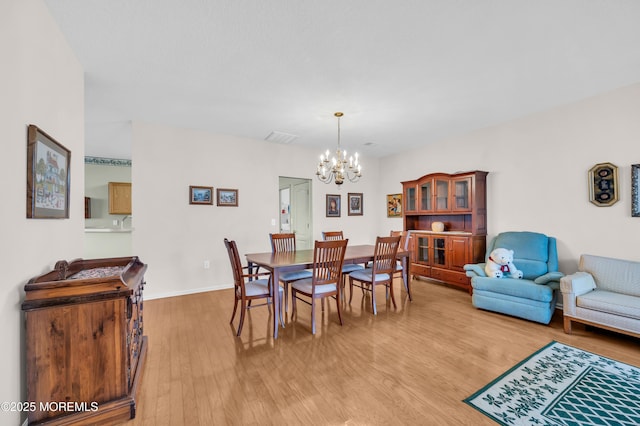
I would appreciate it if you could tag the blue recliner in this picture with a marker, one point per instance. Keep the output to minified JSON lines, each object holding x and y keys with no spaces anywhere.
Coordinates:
{"x":533,"y":297}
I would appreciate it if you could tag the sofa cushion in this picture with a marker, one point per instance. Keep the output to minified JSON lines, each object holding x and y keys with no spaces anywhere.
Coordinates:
{"x":513,"y":287}
{"x":611,"y":303}
{"x":616,"y":275}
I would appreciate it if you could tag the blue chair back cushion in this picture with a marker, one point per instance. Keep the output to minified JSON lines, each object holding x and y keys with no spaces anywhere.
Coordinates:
{"x":533,"y":253}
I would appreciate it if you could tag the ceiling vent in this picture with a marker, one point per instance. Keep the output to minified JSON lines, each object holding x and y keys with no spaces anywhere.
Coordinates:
{"x":281,"y":138}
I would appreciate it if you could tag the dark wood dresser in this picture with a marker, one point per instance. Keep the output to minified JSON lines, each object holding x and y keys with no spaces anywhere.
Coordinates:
{"x":85,"y":346}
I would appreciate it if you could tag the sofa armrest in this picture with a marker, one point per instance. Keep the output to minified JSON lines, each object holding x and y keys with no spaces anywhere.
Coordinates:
{"x":577,"y":284}
{"x":573,"y":286}
{"x":549,"y":277}
{"x":475,"y":270}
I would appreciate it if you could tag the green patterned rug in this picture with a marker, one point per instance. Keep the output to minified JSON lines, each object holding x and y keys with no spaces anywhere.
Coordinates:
{"x":563,"y":385}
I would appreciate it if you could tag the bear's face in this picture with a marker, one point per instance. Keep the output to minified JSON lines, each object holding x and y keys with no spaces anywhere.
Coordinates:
{"x":502,"y":256}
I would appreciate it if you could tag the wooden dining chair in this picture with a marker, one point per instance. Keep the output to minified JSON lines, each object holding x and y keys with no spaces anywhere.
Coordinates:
{"x":346,"y":268}
{"x":403,"y":245}
{"x":281,"y":243}
{"x":332,"y":235}
{"x":328,"y":257}
{"x":380,"y":273}
{"x":248,"y":287}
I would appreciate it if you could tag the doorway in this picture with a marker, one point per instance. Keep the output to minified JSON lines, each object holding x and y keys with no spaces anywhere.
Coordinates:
{"x":295,"y":210}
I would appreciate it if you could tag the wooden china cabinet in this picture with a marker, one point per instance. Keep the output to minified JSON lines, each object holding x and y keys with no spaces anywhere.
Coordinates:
{"x":85,"y":348}
{"x":457,"y":200}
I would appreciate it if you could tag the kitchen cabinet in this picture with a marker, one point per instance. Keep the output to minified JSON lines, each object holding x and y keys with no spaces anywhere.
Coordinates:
{"x":119,"y":197}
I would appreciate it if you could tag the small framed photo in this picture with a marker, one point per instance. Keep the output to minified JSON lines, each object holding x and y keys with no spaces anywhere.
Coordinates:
{"x":635,"y":190}
{"x":333,"y":205}
{"x":200,"y":194}
{"x":227,"y":197}
{"x":355,"y":204}
{"x":394,"y":205}
{"x":48,"y":176}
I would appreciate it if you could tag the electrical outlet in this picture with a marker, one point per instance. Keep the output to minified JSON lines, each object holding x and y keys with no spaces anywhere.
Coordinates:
{"x":115,"y":222}
{"x":207,"y":264}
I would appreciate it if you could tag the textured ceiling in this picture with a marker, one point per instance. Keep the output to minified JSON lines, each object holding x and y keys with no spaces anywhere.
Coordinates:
{"x":405,"y":73}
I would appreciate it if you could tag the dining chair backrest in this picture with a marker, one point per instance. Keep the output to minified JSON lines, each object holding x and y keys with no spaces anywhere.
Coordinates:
{"x":236,"y":265}
{"x":403,"y":238}
{"x":384,"y":258}
{"x":283,"y":242}
{"x":328,"y":257}
{"x":332,"y":235}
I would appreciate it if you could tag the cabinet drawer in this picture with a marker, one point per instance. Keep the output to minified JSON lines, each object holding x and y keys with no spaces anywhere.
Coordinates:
{"x":452,"y":277}
{"x":422,"y":270}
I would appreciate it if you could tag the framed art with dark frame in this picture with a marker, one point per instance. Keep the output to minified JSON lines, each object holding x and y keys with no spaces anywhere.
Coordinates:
{"x":48,"y":177}
{"x":394,"y":205}
{"x":635,"y":190}
{"x":333,"y":205}
{"x":227,"y":197}
{"x":200,"y":195}
{"x":603,"y":184}
{"x":354,"y":204}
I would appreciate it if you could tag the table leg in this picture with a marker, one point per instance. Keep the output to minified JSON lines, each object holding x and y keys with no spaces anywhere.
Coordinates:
{"x":406,"y":275}
{"x":275,"y":274}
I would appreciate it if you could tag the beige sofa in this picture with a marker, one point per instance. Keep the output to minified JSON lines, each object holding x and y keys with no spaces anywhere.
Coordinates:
{"x":605,"y":293}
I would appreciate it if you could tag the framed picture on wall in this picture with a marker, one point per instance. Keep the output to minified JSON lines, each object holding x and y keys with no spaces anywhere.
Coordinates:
{"x":394,"y":205}
{"x":227,"y":197}
{"x":48,"y":176}
{"x":354,"y":201}
{"x":603,"y":184}
{"x":200,"y":195}
{"x":333,"y":205}
{"x":635,"y":191}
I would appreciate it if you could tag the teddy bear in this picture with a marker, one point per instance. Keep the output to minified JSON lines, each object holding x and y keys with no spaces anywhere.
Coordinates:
{"x":501,"y":262}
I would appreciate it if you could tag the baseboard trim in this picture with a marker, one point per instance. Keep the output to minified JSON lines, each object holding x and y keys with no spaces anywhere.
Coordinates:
{"x":148,"y":296}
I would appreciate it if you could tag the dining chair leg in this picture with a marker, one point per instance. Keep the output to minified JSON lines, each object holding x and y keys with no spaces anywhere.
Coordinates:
{"x":285,"y":285}
{"x":235,"y":308}
{"x":350,"y":289}
{"x":313,"y":315}
{"x":338,"y":303}
{"x":373,"y":299}
{"x":242,"y":313}
{"x":294,"y":306}
{"x":393,"y":299}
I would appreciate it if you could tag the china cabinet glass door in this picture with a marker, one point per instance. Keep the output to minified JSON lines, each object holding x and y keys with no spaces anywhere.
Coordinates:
{"x":423,"y":250}
{"x":461,"y":194}
{"x":411,"y":199}
{"x":439,"y":251}
{"x":442,"y":195}
{"x":425,"y":196}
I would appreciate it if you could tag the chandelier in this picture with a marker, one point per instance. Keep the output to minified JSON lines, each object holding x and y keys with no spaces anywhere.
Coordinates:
{"x":339,"y":167}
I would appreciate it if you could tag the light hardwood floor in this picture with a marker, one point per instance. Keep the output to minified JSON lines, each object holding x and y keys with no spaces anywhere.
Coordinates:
{"x":408,"y":366}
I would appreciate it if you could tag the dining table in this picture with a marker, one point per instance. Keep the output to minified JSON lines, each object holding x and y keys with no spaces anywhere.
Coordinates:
{"x":280,"y":262}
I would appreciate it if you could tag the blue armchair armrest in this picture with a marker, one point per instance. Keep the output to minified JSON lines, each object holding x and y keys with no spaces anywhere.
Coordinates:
{"x":549,"y":277}
{"x":475,"y":270}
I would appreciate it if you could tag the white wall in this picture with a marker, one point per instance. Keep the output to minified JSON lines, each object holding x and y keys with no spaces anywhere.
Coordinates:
{"x":41,"y":83}
{"x":175,"y":238}
{"x":538,"y":168}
